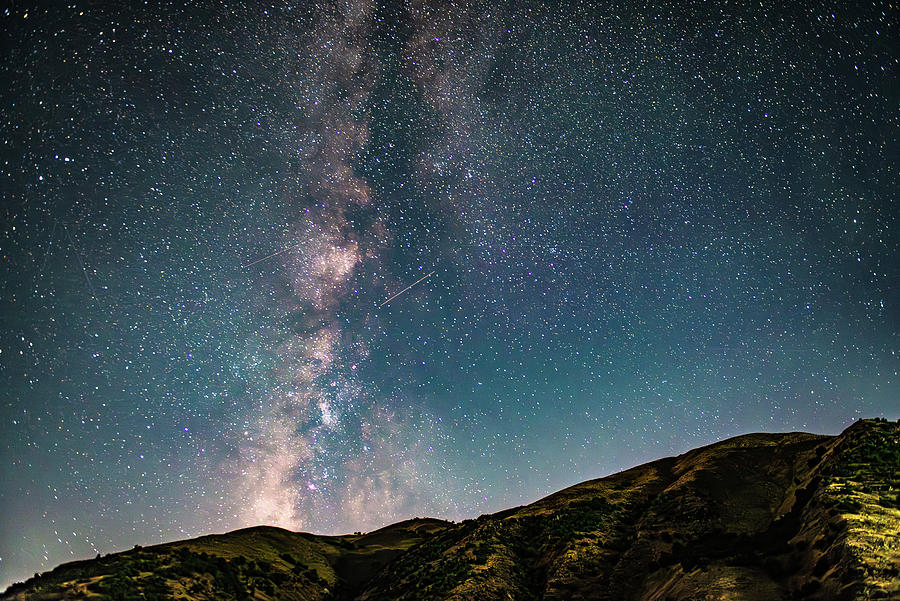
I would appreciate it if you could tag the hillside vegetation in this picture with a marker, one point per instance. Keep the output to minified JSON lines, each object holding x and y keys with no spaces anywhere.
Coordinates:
{"x":756,"y":517}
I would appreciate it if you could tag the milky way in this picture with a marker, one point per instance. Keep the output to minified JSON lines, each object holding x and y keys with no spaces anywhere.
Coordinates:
{"x":332,"y":265}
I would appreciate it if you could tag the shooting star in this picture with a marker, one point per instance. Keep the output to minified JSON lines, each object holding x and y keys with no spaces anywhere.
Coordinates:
{"x":275,"y":254}
{"x":405,"y":289}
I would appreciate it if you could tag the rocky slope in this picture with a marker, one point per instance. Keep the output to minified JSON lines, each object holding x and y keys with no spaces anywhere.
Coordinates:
{"x":761,"y":516}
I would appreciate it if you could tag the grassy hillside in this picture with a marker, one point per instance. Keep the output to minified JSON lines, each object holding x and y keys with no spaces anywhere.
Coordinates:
{"x":761,"y":516}
{"x":258,"y":563}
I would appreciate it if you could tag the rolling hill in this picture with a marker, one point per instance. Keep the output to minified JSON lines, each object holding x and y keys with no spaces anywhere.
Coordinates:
{"x":756,"y":517}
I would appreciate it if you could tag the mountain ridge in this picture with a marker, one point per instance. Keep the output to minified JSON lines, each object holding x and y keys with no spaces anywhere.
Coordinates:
{"x":756,"y":516}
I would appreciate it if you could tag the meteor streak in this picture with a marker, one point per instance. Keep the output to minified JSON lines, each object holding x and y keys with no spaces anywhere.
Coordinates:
{"x":405,"y":289}
{"x":275,"y":254}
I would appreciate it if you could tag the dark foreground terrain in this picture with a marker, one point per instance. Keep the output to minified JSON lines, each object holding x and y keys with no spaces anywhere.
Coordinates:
{"x":761,"y":516}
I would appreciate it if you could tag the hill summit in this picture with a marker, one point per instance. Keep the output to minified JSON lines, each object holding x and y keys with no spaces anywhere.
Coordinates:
{"x":756,"y":517}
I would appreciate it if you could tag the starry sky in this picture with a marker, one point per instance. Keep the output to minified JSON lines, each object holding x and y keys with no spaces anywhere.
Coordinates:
{"x":629,"y":229}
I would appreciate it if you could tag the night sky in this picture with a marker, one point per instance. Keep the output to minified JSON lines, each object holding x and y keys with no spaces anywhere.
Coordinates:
{"x":641,"y":227}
